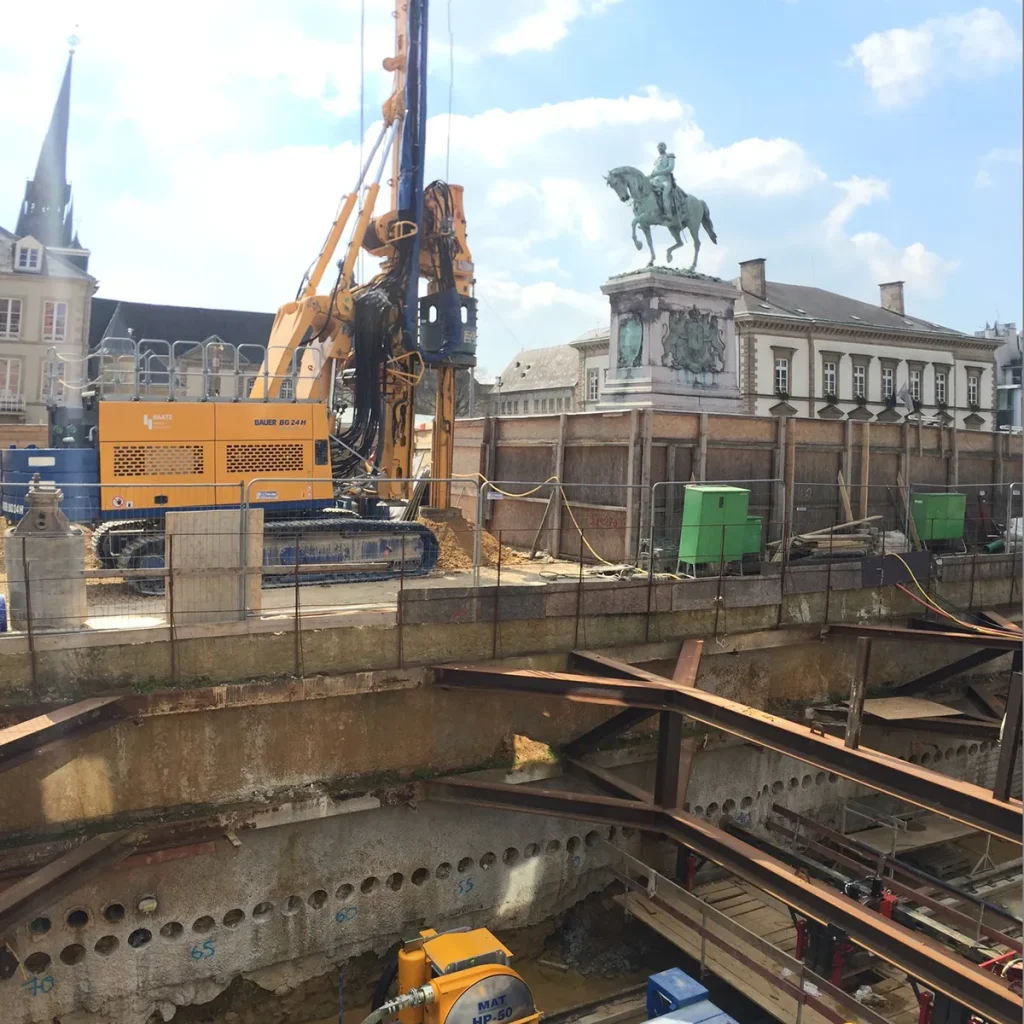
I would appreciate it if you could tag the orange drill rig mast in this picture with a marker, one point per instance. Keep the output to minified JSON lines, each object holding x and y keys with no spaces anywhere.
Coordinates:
{"x":422,"y":235}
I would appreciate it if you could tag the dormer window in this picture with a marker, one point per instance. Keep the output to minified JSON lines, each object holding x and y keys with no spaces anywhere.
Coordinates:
{"x":29,"y":256}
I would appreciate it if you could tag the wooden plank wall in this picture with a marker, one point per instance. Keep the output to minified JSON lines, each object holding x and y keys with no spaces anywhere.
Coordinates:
{"x":600,"y":453}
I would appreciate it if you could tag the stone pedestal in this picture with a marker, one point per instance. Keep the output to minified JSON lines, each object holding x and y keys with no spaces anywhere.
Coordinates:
{"x":673,"y":343}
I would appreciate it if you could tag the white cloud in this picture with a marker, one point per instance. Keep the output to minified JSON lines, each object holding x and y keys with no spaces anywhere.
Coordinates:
{"x":901,"y":64}
{"x":1011,"y":155}
{"x":858,"y":192}
{"x":924,"y":272}
{"x":544,"y":28}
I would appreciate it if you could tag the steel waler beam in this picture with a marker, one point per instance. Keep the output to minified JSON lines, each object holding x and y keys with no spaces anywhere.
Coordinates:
{"x":972,"y":805}
{"x":922,"y":958}
{"x":934,"y":636}
{"x":42,"y":734}
{"x":24,"y":899}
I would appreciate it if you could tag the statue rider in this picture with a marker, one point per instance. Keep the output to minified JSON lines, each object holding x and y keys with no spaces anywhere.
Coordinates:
{"x":662,"y":179}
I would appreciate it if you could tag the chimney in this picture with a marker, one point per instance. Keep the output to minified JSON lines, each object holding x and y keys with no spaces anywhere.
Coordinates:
{"x":892,"y":297}
{"x":752,"y":278}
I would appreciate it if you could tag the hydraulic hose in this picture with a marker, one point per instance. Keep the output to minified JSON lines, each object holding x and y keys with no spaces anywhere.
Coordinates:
{"x":390,"y":972}
{"x":422,"y":996}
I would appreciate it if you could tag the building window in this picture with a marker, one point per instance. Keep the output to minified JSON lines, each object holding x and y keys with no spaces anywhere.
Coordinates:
{"x":593,"y":384}
{"x":860,"y":381}
{"x":915,"y":385}
{"x":829,"y":379}
{"x":10,"y":319}
{"x":28,"y":257}
{"x":972,"y":389}
{"x":940,"y":385}
{"x":10,"y":384}
{"x":515,"y":408}
{"x":55,"y":321}
{"x":504,"y":408}
{"x":51,"y":386}
{"x":558,"y":403}
{"x":782,"y":376}
{"x":888,"y":382}
{"x":287,"y":392}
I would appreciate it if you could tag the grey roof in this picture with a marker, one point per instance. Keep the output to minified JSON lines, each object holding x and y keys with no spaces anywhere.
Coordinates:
{"x":801,"y":303}
{"x":54,"y":264}
{"x":534,"y":369}
{"x":597,"y":335}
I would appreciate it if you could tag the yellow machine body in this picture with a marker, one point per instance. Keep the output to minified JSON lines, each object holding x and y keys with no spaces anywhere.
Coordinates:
{"x":470,"y":977}
{"x":160,"y":456}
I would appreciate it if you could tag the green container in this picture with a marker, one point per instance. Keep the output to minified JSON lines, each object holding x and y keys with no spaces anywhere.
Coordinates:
{"x":716,"y":527}
{"x":939,"y":516}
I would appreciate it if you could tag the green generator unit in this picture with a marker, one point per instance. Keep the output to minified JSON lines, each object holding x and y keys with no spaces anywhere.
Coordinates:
{"x":939,"y":516}
{"x":716,"y":526}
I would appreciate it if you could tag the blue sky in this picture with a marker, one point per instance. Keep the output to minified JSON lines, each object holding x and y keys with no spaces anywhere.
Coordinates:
{"x":847,"y":143}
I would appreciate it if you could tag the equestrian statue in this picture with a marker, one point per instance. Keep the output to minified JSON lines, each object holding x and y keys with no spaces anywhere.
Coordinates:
{"x":659,"y":201}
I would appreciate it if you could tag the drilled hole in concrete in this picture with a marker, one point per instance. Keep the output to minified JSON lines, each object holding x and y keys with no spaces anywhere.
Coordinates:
{"x":443,"y":870}
{"x":109,"y":943}
{"x":628,"y":833}
{"x":39,"y":925}
{"x":794,"y":782}
{"x":77,"y":918}
{"x":832,"y":777}
{"x":926,"y":758}
{"x":395,"y":880}
{"x":171,"y":930}
{"x":368,"y":885}
{"x":573,"y":844}
{"x":420,"y":875}
{"x":712,"y":808}
{"x":203,"y":924}
{"x":291,"y":905}
{"x":805,"y":781}
{"x":778,"y":786}
{"x":487,"y":861}
{"x":950,"y":751}
{"x":764,"y":791}
{"x":233,"y":918}
{"x":819,"y":779}
{"x":532,"y":849}
{"x":510,"y":856}
{"x":937,"y":756}
{"x":973,"y":748}
{"x":699,"y":811}
{"x":465,"y":864}
{"x":113,"y":912}
{"x":263,"y":911}
{"x":961,"y":750}
{"x":8,"y":964}
{"x":553,"y":846}
{"x":746,"y":802}
{"x":37,"y":962}
{"x":592,"y":837}
{"x":317,"y":898}
{"x":140,"y":937}
{"x":73,"y":954}
{"x":912,"y":759}
{"x":729,"y":806}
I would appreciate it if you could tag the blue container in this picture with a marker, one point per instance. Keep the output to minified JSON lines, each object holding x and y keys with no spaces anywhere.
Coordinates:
{"x":76,"y":471}
{"x":669,"y":990}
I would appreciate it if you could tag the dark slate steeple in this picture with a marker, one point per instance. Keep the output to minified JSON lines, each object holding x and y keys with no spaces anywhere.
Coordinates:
{"x":46,"y":211}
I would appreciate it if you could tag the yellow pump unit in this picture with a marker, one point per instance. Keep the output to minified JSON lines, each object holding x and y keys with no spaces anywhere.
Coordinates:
{"x":457,"y":977}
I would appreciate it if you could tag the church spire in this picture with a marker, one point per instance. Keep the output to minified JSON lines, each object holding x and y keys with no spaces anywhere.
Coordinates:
{"x":45,"y":211}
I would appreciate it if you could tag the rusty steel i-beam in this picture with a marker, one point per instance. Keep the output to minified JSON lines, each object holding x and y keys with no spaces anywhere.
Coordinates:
{"x":922,"y":958}
{"x":972,"y":805}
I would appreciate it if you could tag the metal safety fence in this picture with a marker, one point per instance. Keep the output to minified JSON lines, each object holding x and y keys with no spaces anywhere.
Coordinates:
{"x":241,"y":559}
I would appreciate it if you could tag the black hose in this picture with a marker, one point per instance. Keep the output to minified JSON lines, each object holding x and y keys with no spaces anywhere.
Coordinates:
{"x":384,"y":983}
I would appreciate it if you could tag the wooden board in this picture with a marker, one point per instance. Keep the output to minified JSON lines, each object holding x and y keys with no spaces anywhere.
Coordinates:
{"x":899,"y":708}
{"x":936,"y":830}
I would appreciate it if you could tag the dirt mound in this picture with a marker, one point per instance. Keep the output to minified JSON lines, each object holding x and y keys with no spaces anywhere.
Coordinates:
{"x":455,"y":539}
